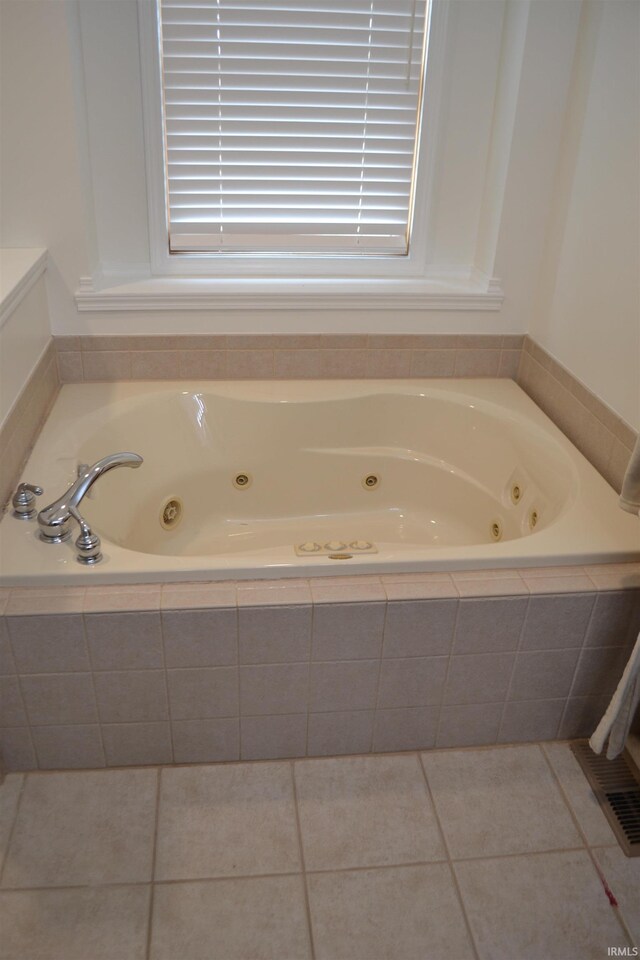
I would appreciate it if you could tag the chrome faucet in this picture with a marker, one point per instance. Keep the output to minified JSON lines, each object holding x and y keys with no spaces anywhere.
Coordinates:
{"x":54,"y":521}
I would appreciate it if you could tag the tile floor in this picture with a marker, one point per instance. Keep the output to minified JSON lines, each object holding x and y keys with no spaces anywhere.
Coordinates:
{"x":446,"y":855}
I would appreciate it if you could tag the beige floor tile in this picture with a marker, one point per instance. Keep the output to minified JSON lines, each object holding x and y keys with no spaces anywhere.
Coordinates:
{"x":395,"y":914}
{"x":81,"y":828}
{"x":9,"y":798}
{"x":622,"y":873}
{"x":545,"y":907}
{"x":580,"y":795}
{"x":365,"y":812}
{"x":100,"y":923}
{"x":498,"y":801}
{"x":261,"y":918}
{"x":221,"y":821}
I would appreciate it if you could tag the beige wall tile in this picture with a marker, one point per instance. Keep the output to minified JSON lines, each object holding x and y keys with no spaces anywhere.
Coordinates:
{"x":200,"y":638}
{"x":274,"y":634}
{"x":489,"y":626}
{"x":477,"y":363}
{"x":433,"y":363}
{"x":136,"y":744}
{"x":106,"y":365}
{"x":531,"y":720}
{"x":420,"y":628}
{"x":131,"y":695}
{"x":469,"y":725}
{"x":481,"y":678}
{"x":412,"y":682}
{"x":330,"y":734}
{"x":155,"y":365}
{"x":557,"y":621}
{"x":273,"y":688}
{"x":59,"y":698}
{"x":407,"y":728}
{"x":206,"y":741}
{"x":205,"y":692}
{"x":124,"y":641}
{"x":248,"y":364}
{"x":273,"y":738}
{"x":343,"y":685}
{"x":68,"y":747}
{"x":12,"y":712}
{"x":389,"y":363}
{"x":203,"y":364}
{"x":17,"y":749}
{"x":347,"y":631}
{"x":48,"y":644}
{"x":70,"y":367}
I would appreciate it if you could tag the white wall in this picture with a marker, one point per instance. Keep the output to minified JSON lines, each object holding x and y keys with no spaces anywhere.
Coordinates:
{"x":41,"y":195}
{"x":588,"y":310}
{"x":24,"y":337}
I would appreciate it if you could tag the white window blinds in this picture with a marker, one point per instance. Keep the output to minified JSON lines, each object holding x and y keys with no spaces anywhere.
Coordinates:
{"x":291,"y":125}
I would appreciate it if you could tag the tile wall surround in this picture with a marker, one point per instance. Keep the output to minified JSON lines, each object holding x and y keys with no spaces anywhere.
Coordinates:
{"x":202,"y":672}
{"x":287,"y":356}
{"x":599,"y":433}
{"x":21,"y":428}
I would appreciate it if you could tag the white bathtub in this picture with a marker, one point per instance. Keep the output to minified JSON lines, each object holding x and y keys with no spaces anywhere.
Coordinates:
{"x":468,"y":473}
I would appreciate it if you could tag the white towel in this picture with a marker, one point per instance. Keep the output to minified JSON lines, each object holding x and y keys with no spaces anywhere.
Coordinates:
{"x":619,"y":714}
{"x":630,"y":496}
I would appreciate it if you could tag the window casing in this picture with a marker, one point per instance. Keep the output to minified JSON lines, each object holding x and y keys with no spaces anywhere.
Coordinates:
{"x":222,"y":242}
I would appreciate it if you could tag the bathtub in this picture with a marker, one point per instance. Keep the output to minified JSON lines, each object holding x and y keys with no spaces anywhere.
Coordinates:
{"x":295,"y":479}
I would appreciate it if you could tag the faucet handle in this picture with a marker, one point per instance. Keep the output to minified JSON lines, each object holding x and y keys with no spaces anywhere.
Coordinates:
{"x":24,"y":499}
{"x":88,"y":543}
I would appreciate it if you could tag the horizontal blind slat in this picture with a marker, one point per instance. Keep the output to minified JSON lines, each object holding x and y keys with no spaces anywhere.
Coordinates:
{"x":290,"y":122}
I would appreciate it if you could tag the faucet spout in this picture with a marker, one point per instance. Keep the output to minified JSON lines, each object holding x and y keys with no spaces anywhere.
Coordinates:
{"x":54,"y":521}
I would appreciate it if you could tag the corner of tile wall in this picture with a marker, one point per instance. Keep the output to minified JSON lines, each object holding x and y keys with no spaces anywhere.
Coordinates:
{"x":21,"y":429}
{"x":599,"y":434}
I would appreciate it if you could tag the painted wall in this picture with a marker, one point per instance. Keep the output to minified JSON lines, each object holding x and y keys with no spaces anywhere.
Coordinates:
{"x":588,"y":310}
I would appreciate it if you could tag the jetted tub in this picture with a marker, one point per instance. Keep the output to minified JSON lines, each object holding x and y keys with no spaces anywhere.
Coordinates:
{"x":273,"y":479}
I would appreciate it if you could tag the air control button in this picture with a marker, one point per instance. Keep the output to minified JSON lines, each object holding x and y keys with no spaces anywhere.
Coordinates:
{"x":334,"y":545}
{"x":310,"y":547}
{"x":360,"y":545}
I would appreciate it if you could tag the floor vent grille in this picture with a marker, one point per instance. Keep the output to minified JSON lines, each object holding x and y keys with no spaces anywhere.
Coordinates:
{"x":616,"y":784}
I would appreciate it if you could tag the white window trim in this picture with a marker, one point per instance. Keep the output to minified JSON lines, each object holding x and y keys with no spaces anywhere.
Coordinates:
{"x":240,"y":282}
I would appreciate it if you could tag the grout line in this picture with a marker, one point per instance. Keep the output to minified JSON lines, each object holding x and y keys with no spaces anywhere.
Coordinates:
{"x":517,"y":652}
{"x":381,"y":658}
{"x":302,"y":861}
{"x":616,"y":909}
{"x":7,"y":848}
{"x":92,"y":672}
{"x":166,"y":684}
{"x":583,"y":647}
{"x":445,"y":685}
{"x":153,"y":863}
{"x":452,"y":872}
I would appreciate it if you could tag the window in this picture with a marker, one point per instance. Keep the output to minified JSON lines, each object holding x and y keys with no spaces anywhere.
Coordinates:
{"x":291,"y":126}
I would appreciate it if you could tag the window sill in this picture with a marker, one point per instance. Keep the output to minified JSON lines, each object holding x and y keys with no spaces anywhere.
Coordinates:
{"x":173,"y":293}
